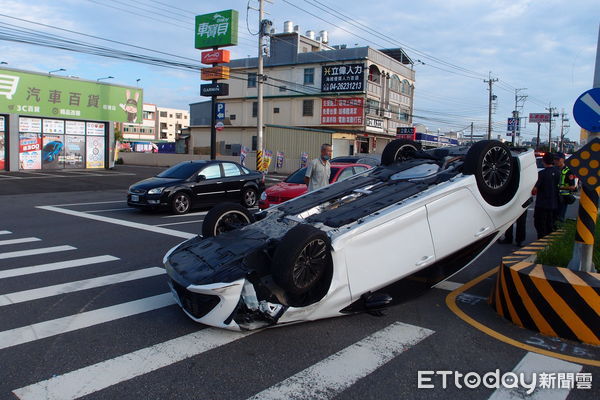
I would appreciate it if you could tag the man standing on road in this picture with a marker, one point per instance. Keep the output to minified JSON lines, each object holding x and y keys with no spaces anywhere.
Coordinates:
{"x":319,"y":169}
{"x":546,"y":201}
{"x":566,"y":185}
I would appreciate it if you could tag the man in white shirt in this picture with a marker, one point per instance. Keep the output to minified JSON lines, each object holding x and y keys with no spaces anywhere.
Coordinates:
{"x":319,"y":170}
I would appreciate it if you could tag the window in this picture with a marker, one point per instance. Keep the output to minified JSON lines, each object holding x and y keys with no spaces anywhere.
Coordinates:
{"x":231,"y":169}
{"x":148,"y":114}
{"x":211,"y":172}
{"x":395,"y":83}
{"x":374,"y":74}
{"x":178,"y":115}
{"x":185,"y":117}
{"x":232,"y":117}
{"x":345,"y":174}
{"x":307,"y":108}
{"x":163,"y":135}
{"x":276,"y":110}
{"x":283,"y":88}
{"x":358,"y":170}
{"x":309,"y":76}
{"x":372,"y":107}
{"x":254,"y":109}
{"x":170,"y":115}
{"x":163,"y":114}
{"x":252,"y":79}
{"x":254,"y":143}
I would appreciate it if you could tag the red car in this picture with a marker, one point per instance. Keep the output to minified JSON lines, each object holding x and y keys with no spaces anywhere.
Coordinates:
{"x":293,"y":185}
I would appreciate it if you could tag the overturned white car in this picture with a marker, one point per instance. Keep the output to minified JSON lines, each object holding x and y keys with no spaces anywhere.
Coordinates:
{"x":358,"y":245}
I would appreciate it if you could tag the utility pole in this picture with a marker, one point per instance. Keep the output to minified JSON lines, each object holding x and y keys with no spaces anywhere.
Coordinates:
{"x":490,"y":82}
{"x":518,"y":107}
{"x":551,"y":110}
{"x":471,"y":133}
{"x":259,"y":90}
{"x":563,"y":114}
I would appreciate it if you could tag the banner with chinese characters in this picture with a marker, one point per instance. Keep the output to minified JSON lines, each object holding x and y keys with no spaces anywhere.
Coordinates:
{"x":347,"y":111}
{"x":343,"y":78}
{"x":280,"y":159}
{"x":217,"y":29}
{"x":30,"y":151}
{"x":267,"y":158}
{"x":303,"y":159}
{"x":243,"y":153}
{"x":54,"y":96}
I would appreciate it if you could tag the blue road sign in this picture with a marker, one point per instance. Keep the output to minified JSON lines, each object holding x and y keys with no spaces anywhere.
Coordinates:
{"x":586,"y":110}
{"x":220,"y":112}
{"x":512,"y":125}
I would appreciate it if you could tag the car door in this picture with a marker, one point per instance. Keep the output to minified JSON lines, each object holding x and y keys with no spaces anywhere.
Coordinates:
{"x":389,"y":251}
{"x":456,"y":221}
{"x":233,"y":181}
{"x":211,"y":189}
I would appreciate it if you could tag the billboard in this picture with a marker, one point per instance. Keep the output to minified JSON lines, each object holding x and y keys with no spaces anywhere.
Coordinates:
{"x":342,"y":78}
{"x":539,"y":117}
{"x":54,"y":96}
{"x":217,"y":29}
{"x":348,"y":111}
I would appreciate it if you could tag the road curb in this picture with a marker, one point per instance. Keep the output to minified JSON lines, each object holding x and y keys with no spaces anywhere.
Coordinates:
{"x":551,"y":300}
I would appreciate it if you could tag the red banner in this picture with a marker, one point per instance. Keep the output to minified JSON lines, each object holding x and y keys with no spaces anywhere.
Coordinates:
{"x":215,"y":56}
{"x":347,"y":111}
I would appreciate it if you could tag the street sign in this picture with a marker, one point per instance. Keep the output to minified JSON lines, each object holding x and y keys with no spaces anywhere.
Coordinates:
{"x":586,"y":110}
{"x":220,"y":125}
{"x":539,"y":117}
{"x":215,"y":56}
{"x":217,"y":29}
{"x":208,"y":74}
{"x":513,"y":126}
{"x":220,"y":115}
{"x":214,"y":89}
{"x":585,"y":163}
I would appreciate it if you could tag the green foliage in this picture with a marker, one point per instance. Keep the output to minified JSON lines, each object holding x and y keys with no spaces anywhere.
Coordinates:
{"x":560,"y":250}
{"x":118,"y":135}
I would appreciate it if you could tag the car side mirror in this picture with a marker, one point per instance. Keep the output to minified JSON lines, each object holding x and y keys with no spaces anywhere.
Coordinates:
{"x":200,"y":178}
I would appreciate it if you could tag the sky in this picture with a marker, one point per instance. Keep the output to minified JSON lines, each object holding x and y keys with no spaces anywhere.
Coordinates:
{"x":545,"y":47}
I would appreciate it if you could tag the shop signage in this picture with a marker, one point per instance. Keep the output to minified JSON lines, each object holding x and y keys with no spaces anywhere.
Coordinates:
{"x":406,"y":132}
{"x":347,"y":111}
{"x":215,"y":56}
{"x":342,"y":78}
{"x":216,"y":29}
{"x":54,"y":96}
{"x":208,"y":74}
{"x":539,"y":117}
{"x":214,"y":89}
{"x":374,"y":124}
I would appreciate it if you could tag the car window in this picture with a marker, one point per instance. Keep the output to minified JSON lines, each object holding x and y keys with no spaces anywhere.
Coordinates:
{"x":245,"y":170}
{"x":180,"y":171}
{"x":211,"y":172}
{"x":231,"y":169}
{"x":358,"y":170}
{"x":296,"y":177}
{"x":345,"y":174}
{"x":334,"y":171}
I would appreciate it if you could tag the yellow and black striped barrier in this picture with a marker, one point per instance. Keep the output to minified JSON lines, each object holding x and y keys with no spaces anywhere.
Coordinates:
{"x":259,"y":160}
{"x":588,"y":213}
{"x":551,"y":300}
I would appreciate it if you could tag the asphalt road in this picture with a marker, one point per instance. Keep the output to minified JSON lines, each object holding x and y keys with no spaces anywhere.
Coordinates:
{"x":85,"y":312}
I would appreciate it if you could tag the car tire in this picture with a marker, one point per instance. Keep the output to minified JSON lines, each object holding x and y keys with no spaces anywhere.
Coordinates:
{"x":301,"y":259}
{"x":249,"y":197}
{"x":225,"y":217}
{"x":495,"y":171}
{"x":181,"y":203}
{"x":399,"y":150}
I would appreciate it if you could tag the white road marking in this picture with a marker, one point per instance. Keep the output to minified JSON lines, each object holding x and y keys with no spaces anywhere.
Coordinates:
{"x":43,"y":250}
{"x":34,"y":294}
{"x":17,"y":241}
{"x":180,"y":223}
{"x":85,"y":204}
{"x":187,"y":215}
{"x":533,"y":362}
{"x":50,"y":176}
{"x":448,"y":285}
{"x":334,"y":374}
{"x":9,"y":177}
{"x":5,"y":232}
{"x":135,"y":225}
{"x":112,"y":209}
{"x":35,"y":269}
{"x":41,"y":330}
{"x":87,"y":380}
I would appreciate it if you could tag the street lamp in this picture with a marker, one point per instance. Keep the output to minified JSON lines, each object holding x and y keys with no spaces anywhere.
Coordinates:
{"x":107,"y":77}
{"x":137,"y":82}
{"x":56,"y":70}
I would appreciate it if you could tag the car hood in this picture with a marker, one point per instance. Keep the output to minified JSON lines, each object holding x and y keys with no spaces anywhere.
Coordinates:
{"x":155,"y":182}
{"x":287,"y":189}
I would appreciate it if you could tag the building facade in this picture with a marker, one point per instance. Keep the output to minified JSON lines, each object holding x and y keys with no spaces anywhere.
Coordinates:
{"x":361,"y":95}
{"x":170,"y":122}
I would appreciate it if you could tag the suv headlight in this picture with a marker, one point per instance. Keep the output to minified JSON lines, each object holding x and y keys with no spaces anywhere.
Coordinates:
{"x":263,"y":196}
{"x":157,"y":190}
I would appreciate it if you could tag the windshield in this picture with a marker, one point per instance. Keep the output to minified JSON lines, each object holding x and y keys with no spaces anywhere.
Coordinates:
{"x":180,"y":171}
{"x":298,"y":176}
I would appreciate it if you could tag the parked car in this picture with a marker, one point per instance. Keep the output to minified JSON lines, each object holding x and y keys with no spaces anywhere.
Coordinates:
{"x":197,"y":183}
{"x":294,"y":186}
{"x":369,"y":159}
{"x":360,"y":245}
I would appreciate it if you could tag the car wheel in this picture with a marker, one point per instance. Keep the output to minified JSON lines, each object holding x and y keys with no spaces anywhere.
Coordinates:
{"x":301,"y":259}
{"x":495,"y":171}
{"x":399,"y":150}
{"x":225,"y":217}
{"x":181,"y":203}
{"x":249,"y":197}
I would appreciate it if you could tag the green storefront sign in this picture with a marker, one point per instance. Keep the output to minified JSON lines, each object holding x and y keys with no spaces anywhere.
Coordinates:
{"x":55,"y":96}
{"x":217,"y":29}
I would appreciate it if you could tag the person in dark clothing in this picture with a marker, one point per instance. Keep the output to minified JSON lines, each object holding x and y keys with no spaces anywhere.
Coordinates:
{"x":566,"y":185}
{"x":520,"y":226}
{"x":546,"y":202}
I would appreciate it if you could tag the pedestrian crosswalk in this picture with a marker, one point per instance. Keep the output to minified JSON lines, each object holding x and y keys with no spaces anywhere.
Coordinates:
{"x":336,"y":371}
